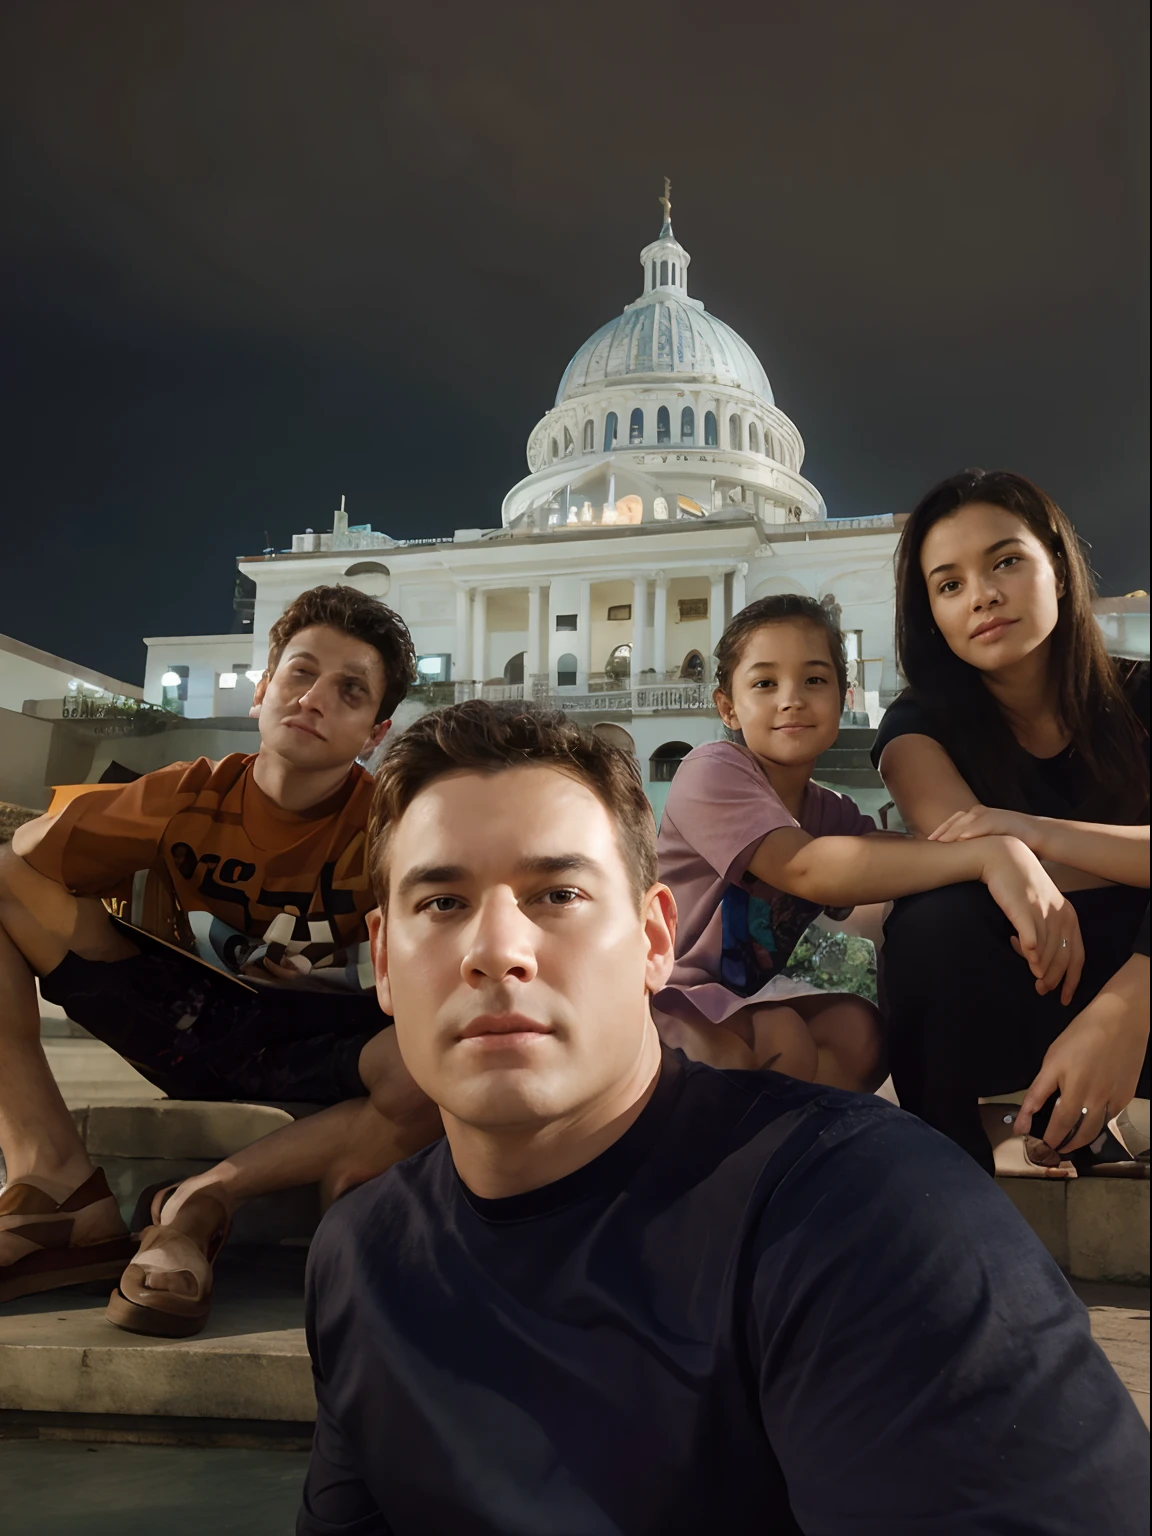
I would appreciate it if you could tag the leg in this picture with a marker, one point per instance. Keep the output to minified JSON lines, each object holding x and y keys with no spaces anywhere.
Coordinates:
{"x":39,"y":923}
{"x":336,"y":1148}
{"x":849,"y":1040}
{"x":771,"y":1036}
{"x":964,"y":1015}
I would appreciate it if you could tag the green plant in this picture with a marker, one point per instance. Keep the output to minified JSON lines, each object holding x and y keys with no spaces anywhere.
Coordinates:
{"x":834,"y":962}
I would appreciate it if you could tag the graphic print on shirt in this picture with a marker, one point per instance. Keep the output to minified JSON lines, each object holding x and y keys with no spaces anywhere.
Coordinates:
{"x":759,"y":936}
{"x":318,"y":934}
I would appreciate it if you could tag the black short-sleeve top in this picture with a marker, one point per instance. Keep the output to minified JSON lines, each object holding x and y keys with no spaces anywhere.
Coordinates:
{"x":1059,"y":786}
{"x":1055,"y":786}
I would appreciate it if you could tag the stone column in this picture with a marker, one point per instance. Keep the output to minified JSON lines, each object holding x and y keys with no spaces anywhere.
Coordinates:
{"x":532,"y":667}
{"x":739,"y":589}
{"x":716,"y":619}
{"x":462,"y":661}
{"x":479,"y":634}
{"x":584,"y":635}
{"x":639,"y":629}
{"x":660,"y":628}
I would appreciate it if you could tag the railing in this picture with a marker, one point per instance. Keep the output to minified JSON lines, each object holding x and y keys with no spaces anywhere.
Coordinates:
{"x":680,"y":696}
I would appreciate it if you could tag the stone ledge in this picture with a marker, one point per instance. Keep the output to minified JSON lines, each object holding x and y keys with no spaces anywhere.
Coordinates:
{"x":179,"y":1128}
{"x":162,"y":1141}
{"x":1095,"y":1229}
{"x":58,"y":1353}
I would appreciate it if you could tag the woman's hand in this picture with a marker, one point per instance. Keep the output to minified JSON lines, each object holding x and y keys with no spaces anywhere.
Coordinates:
{"x":987,"y":821}
{"x":1095,"y":1064}
{"x":1047,"y":928}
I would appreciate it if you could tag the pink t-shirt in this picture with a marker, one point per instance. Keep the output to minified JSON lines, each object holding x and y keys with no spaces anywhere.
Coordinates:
{"x":733,"y":928}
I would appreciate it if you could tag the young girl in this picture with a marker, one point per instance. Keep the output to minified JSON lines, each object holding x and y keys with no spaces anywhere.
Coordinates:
{"x":1016,"y":722}
{"x":753,"y":851}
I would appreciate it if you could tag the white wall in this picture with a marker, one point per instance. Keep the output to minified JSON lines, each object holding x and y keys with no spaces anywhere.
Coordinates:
{"x":26,"y":672}
{"x":206,"y":657}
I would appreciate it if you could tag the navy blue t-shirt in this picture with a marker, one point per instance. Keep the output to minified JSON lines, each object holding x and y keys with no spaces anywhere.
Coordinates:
{"x":770,"y":1307}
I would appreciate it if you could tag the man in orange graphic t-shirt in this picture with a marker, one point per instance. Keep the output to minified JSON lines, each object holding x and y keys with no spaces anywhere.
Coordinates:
{"x":236,"y":966}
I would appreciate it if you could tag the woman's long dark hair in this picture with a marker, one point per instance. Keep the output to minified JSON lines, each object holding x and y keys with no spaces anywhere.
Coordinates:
{"x":1090,"y":698}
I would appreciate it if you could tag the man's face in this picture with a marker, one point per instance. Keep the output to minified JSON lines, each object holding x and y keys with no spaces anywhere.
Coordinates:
{"x":513,"y":956}
{"x":318,"y":709}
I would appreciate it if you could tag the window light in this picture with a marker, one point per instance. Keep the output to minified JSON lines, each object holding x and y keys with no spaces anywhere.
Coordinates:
{"x":227,"y":679}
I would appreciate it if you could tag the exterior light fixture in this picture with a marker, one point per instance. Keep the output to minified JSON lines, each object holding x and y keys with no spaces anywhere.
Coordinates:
{"x":227,"y":679}
{"x":171,"y":680}
{"x":253,"y":676}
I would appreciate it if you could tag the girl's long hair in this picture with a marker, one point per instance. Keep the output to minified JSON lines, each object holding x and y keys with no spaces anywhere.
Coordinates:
{"x":1090,"y":698}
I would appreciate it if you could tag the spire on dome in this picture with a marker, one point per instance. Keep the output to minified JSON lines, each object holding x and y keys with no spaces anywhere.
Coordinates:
{"x":666,"y":203}
{"x":665,"y":261}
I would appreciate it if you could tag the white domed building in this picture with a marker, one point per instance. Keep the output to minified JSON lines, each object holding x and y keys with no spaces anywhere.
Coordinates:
{"x":669,"y":378}
{"x":664,"y":493}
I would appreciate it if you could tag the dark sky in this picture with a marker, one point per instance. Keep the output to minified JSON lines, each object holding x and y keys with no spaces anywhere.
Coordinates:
{"x":263,"y":252}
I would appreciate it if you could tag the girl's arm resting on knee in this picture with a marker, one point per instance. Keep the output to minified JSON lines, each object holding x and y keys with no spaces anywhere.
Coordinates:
{"x":849,"y":871}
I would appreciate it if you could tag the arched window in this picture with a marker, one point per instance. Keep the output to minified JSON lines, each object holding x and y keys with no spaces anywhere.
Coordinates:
{"x":619,"y":663}
{"x":568,"y":443}
{"x":663,"y":274}
{"x":615,"y":736}
{"x":673,"y":274}
{"x":589,"y":436}
{"x":514,"y":670}
{"x":663,"y":763}
{"x":636,"y":426}
{"x":554,"y":450}
{"x":753,"y":437}
{"x":663,"y":426}
{"x":687,"y":425}
{"x":734,"y":433}
{"x":609,"y":431}
{"x":692,"y":667}
{"x":653,"y":271}
{"x":369,"y":576}
{"x":709,"y":430}
{"x":566,"y":671}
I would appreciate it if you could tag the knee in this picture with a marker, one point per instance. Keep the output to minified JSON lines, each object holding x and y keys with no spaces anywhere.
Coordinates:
{"x":923,"y":930}
{"x":395,"y":1095}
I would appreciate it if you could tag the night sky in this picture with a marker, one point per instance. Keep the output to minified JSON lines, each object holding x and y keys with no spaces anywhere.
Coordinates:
{"x":262,"y":253}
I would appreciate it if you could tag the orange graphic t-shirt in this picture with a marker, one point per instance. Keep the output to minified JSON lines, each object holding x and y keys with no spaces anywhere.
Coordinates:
{"x":249,"y":881}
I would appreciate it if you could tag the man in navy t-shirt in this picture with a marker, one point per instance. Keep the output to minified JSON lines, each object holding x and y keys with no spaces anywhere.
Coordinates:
{"x":630,"y":1294}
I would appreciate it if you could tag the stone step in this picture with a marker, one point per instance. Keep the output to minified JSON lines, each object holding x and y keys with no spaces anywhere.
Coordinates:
{"x":164,"y":1140}
{"x":1095,"y":1229}
{"x":60,"y":1355}
{"x":65,"y":1372}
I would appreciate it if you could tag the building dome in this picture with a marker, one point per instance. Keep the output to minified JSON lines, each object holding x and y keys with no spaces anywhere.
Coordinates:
{"x":665,"y":335}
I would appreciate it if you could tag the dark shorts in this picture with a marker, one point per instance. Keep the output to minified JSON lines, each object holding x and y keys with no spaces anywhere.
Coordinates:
{"x":197,"y":1035}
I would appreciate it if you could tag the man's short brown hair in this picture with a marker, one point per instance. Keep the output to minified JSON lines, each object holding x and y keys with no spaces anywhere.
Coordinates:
{"x":487,"y":738}
{"x":364,"y":618}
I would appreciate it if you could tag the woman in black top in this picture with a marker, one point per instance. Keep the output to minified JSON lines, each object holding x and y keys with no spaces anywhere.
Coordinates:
{"x":1017,"y":722}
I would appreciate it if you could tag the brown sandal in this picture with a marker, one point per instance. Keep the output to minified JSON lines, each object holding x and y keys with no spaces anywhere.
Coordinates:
{"x":136,"y":1307}
{"x":70,"y":1241}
